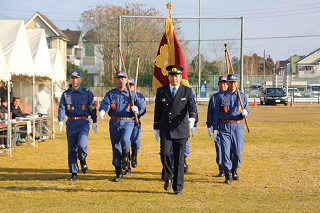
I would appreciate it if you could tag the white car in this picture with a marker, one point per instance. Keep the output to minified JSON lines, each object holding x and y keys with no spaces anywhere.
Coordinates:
{"x":296,"y":92}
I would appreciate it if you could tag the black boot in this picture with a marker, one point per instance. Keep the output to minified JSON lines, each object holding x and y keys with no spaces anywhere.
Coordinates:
{"x":74,"y":177}
{"x":119,"y":174}
{"x":128,"y":171}
{"x":134,"y":162}
{"x":221,"y":173}
{"x":227,"y":176}
{"x":185,"y":166}
{"x":125,"y":161}
{"x":84,"y":166}
{"x":235,"y":175}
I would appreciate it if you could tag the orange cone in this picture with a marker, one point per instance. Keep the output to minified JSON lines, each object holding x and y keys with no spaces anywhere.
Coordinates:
{"x":54,"y":105}
{"x":254,"y":102}
{"x":98,"y":103}
{"x":24,"y":107}
{"x":291,"y":104}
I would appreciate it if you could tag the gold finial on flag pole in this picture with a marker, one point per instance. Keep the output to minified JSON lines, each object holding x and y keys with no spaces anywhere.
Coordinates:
{"x":169,"y":6}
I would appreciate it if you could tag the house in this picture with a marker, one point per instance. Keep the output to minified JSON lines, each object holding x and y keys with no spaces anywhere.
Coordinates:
{"x":309,"y":66}
{"x":56,"y":39}
{"x":74,"y":46}
{"x":92,"y":61}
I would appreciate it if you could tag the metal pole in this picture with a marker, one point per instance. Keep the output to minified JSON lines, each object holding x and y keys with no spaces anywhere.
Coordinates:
{"x":9,"y":132}
{"x":264,"y":65}
{"x":241,"y":55}
{"x":119,"y":42}
{"x":33,"y":111}
{"x":52,"y":111}
{"x":199,"y":49}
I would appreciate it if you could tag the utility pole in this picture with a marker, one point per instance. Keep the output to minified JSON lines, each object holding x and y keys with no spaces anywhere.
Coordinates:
{"x":199,"y":50}
{"x":264,"y":65}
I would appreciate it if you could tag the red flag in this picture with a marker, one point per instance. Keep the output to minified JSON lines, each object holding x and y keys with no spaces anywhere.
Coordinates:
{"x":169,"y":53}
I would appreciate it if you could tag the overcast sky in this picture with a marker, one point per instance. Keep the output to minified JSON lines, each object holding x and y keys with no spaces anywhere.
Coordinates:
{"x":281,"y":27}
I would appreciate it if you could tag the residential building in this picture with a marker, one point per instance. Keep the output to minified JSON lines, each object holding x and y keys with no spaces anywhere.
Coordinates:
{"x":56,"y":39}
{"x":74,"y":46}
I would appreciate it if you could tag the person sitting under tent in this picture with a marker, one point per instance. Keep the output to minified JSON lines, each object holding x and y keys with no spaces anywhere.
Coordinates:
{"x":16,"y":112}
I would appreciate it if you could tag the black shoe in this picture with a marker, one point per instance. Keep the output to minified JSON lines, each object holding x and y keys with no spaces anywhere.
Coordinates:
{"x":84,"y":166}
{"x":185,"y":166}
{"x":178,"y":192}
{"x":119,"y":174}
{"x":167,"y":185}
{"x":228,"y":177}
{"x":221,"y":173}
{"x":125,"y":161}
{"x":127,"y":172}
{"x":235,"y":175}
{"x":74,"y":177}
{"x":134,"y":162}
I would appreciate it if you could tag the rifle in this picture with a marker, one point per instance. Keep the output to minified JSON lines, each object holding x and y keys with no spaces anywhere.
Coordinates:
{"x":245,"y":118}
{"x":128,"y":85}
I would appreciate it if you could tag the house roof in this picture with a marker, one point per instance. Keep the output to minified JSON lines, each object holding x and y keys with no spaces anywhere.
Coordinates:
{"x":312,"y":58}
{"x":49,"y":23}
{"x":73,"y":36}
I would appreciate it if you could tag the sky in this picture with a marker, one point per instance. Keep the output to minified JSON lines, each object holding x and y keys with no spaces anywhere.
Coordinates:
{"x":280,"y":27}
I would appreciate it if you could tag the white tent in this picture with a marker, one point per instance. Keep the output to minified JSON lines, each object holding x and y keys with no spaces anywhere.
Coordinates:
{"x":40,"y":53}
{"x":57,"y":66}
{"x":16,"y":47}
{"x":4,"y":68}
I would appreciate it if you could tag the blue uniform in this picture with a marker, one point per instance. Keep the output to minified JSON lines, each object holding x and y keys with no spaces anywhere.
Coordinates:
{"x":74,"y":104}
{"x":121,"y":123}
{"x":209,"y":123}
{"x":227,"y":120}
{"x":136,"y":132}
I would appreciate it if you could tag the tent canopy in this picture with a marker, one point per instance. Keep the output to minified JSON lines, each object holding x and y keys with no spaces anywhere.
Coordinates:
{"x":16,"y":47}
{"x":4,"y":68}
{"x":57,"y":66}
{"x":39,"y":52}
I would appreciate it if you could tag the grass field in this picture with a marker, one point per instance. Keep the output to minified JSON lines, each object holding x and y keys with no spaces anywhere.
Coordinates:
{"x":280,"y":171}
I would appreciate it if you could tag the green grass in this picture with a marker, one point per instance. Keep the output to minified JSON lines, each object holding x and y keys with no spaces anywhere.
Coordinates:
{"x":280,"y":171}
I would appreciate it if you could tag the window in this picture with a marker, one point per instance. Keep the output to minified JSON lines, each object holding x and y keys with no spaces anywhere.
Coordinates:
{"x":49,"y":42}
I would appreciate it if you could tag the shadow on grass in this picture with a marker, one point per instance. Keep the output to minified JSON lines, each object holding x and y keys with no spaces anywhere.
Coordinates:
{"x":15,"y":188}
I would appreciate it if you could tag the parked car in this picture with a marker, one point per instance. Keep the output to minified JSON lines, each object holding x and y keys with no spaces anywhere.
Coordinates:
{"x":303,"y":91}
{"x":296,"y":92}
{"x":313,"y":91}
{"x":273,"y":95}
{"x":255,"y":90}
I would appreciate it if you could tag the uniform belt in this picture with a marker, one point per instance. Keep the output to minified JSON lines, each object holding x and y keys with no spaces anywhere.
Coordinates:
{"x":77,"y":118}
{"x":231,"y":121}
{"x":121,"y":118}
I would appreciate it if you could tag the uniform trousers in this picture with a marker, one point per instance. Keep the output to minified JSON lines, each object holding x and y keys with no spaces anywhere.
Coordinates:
{"x":120,"y":134}
{"x":186,"y":154}
{"x":177,"y":146}
{"x":217,"y":143}
{"x":77,"y":135}
{"x":135,"y":139}
{"x":231,"y":137}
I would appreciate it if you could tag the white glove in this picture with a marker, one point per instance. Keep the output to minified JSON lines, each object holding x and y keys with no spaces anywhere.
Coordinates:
{"x":215,"y":133}
{"x":191,"y":122}
{"x":94,"y":127}
{"x":209,"y":132}
{"x":193,"y":130}
{"x":156,"y":134}
{"x":102,"y":112}
{"x":244,"y":113}
{"x":134,"y":109}
{"x":60,"y":125}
